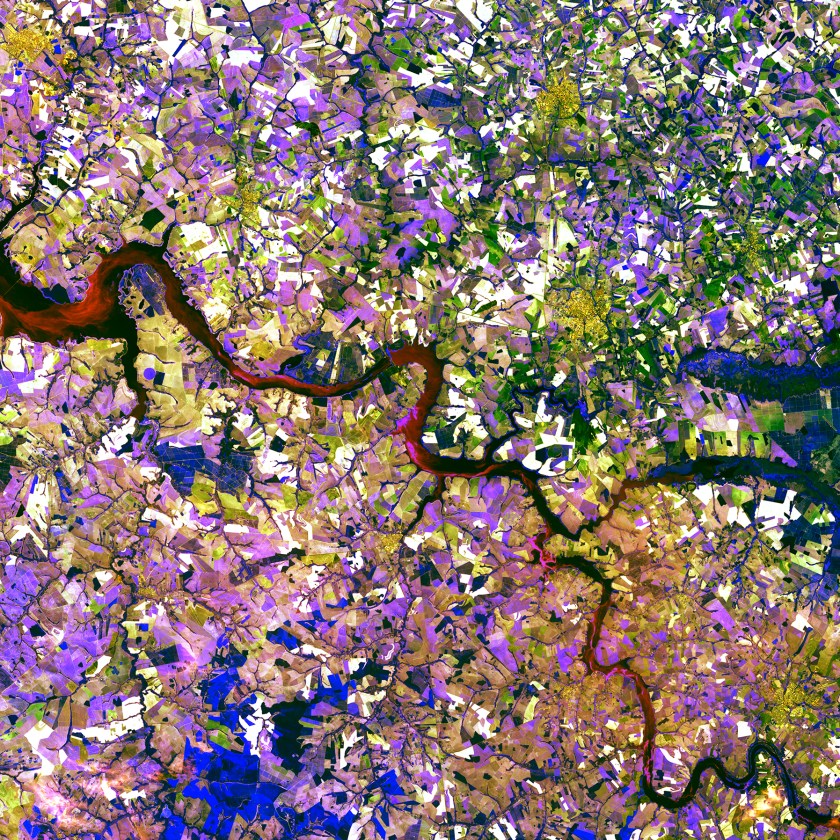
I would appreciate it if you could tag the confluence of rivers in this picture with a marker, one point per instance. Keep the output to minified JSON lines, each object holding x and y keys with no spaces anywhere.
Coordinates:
{"x":26,"y":311}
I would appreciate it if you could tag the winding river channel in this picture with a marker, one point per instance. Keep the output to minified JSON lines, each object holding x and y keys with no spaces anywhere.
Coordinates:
{"x":27,"y":311}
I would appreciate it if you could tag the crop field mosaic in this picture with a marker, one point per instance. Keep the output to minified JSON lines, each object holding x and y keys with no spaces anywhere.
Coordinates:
{"x":419,"y":420}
